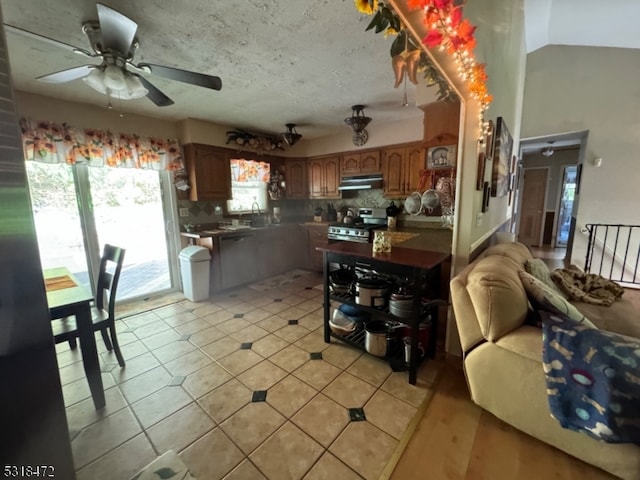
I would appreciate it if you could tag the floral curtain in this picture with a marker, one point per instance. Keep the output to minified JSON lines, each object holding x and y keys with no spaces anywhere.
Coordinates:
{"x":249,"y":171}
{"x":54,"y":143}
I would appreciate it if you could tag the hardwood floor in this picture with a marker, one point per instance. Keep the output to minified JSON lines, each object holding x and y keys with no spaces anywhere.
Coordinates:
{"x":456,"y":439}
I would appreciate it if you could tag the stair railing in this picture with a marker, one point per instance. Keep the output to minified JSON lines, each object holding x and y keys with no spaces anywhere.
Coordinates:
{"x":613,"y":251}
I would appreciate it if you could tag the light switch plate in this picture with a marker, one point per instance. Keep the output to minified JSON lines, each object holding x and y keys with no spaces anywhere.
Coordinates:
{"x":183,"y":212}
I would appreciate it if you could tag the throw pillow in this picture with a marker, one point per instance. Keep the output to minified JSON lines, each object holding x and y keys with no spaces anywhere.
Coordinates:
{"x":543,"y":298}
{"x":593,"y":380}
{"x":540,"y":270}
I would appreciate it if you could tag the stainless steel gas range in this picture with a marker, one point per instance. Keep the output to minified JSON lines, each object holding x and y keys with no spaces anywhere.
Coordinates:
{"x":362,"y":231}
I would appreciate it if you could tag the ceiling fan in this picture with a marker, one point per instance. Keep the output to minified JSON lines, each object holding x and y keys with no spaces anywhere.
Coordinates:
{"x":113,"y":39}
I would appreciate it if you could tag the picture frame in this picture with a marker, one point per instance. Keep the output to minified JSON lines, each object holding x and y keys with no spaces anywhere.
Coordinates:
{"x":482,"y":160}
{"x":442,"y":156}
{"x":486,"y":195}
{"x":501,"y":159}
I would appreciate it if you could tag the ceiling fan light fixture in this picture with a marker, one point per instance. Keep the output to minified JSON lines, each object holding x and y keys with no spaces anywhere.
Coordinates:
{"x":114,"y":78}
{"x":291,"y":136}
{"x":134,"y":89}
{"x":95,"y":80}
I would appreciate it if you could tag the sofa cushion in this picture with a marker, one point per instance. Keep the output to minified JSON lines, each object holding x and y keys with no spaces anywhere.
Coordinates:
{"x":593,"y":382}
{"x":516,"y":251}
{"x":498,"y":297}
{"x":543,"y":298}
{"x":540,"y":270}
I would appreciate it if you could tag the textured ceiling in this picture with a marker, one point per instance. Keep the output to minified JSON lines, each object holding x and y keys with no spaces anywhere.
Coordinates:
{"x":280,"y":61}
{"x":594,"y":23}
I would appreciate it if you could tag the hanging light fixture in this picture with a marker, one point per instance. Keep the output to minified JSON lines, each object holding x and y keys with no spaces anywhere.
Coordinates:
{"x":291,"y":136}
{"x":358,"y":123}
{"x":547,"y":152}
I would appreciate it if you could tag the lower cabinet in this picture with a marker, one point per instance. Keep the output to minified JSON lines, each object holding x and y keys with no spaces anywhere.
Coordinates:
{"x":317,"y":236}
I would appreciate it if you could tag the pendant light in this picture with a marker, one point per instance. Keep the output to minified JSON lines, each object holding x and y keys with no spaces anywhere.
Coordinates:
{"x":291,"y":136}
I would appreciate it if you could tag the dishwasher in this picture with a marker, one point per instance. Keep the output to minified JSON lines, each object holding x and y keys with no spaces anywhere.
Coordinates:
{"x":238,"y":259}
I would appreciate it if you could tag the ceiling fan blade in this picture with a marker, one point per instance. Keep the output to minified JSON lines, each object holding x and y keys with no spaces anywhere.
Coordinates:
{"x":64,"y":76}
{"x":51,"y":41}
{"x":200,"y":79}
{"x":118,"y":30}
{"x":155,"y":95}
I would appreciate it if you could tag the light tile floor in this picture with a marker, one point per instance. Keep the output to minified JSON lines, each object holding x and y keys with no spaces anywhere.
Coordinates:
{"x":230,"y":385}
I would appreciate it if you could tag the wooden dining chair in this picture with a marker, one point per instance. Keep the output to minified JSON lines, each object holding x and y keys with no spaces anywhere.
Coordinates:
{"x":103,"y":309}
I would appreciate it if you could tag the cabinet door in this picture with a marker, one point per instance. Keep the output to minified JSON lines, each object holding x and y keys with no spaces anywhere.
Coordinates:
{"x":296,"y":178}
{"x":350,"y":164}
{"x":317,"y":237}
{"x":315,"y":173}
{"x":370,"y":162}
{"x":209,"y":172}
{"x":332,"y":177}
{"x":393,"y":172}
{"x":415,"y":161}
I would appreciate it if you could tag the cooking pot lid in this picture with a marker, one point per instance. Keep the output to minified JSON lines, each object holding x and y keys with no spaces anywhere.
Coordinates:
{"x":376,"y":327}
{"x":372,"y":283}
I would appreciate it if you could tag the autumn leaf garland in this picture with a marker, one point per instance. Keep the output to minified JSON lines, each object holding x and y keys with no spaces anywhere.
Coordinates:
{"x":447,"y":29}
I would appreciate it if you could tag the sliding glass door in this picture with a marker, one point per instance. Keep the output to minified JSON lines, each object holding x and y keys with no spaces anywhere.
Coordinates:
{"x":78,"y":209}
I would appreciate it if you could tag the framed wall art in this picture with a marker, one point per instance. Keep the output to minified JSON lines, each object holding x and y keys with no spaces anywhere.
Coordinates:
{"x":441,"y":157}
{"x":501,"y":160}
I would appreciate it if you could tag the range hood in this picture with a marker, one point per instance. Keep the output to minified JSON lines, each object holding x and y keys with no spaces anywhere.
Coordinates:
{"x":361,"y":182}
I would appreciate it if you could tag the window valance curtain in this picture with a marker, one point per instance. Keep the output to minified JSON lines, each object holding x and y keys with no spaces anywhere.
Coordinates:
{"x":60,"y":143}
{"x":249,"y":170}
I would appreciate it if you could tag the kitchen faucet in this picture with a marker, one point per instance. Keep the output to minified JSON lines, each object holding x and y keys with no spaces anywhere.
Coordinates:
{"x":255,"y":214}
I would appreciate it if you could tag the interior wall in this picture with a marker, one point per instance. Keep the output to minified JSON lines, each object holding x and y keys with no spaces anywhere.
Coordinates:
{"x":501,"y":45}
{"x":39,"y":107}
{"x":596,"y":89}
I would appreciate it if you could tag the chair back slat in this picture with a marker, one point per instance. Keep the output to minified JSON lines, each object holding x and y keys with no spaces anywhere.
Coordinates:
{"x":108,"y":277}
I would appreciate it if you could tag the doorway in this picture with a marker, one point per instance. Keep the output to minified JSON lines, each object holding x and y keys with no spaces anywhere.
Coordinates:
{"x":78,"y":209}
{"x":565,"y":207}
{"x":534,"y":191}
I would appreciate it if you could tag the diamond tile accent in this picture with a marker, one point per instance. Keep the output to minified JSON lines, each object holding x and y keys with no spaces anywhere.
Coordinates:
{"x":315,"y":356}
{"x":194,"y":210}
{"x":208,"y":208}
{"x":246,"y":346}
{"x":184,"y":338}
{"x":357,"y":415}
{"x":277,"y":300}
{"x":259,"y":396}
{"x":292,"y":322}
{"x":238,"y":315}
{"x":308,"y":288}
{"x":176,"y":381}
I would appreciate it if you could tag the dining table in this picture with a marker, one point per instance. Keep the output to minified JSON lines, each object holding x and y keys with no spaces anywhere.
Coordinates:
{"x":67,"y":297}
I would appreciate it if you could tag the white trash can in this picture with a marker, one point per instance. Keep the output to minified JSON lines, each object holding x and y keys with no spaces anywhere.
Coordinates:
{"x":194,"y":269}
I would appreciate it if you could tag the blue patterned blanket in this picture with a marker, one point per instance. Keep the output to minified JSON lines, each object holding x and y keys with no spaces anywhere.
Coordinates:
{"x":593,"y":379}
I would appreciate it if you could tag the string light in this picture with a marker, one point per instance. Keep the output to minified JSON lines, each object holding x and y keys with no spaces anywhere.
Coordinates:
{"x":450,"y":32}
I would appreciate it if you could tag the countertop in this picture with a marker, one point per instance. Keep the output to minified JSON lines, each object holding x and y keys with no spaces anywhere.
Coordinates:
{"x":400,"y":255}
{"x":216,"y":232}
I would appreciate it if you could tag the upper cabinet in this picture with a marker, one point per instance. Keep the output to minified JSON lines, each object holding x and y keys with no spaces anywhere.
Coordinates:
{"x":441,"y":123}
{"x":209,"y":172}
{"x":401,"y":168}
{"x":324,"y":177}
{"x":356,"y":163}
{"x":296,"y":178}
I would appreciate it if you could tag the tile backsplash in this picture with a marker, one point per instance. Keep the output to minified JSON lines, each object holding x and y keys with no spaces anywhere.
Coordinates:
{"x":205,"y":213}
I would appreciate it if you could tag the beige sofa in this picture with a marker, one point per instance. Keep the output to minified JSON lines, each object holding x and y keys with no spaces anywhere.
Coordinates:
{"x":503,"y":355}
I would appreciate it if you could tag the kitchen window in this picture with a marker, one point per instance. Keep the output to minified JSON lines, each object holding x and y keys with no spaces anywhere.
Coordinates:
{"x":248,"y":185}
{"x":244,"y":194}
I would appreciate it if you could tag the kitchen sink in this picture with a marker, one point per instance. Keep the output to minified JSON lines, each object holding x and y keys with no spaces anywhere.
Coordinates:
{"x":235,"y":227}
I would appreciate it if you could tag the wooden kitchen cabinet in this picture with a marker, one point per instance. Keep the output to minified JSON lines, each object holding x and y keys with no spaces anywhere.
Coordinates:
{"x":324,"y":177}
{"x":441,"y":123}
{"x":209,"y":172}
{"x":296,"y":178}
{"x":401,"y":168}
{"x":359,"y":163}
{"x":317,"y":236}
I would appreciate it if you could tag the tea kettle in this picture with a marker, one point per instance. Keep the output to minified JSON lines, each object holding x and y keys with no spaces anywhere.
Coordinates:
{"x":348,"y":217}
